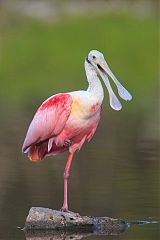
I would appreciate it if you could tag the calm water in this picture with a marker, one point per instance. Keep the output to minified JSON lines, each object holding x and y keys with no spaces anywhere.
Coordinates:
{"x":115,"y":175}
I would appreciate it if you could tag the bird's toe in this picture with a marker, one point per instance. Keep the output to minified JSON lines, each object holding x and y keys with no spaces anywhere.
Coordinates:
{"x":70,"y":212}
{"x":67,"y":143}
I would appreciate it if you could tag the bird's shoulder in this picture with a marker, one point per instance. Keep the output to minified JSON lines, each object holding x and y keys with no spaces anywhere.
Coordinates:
{"x":57,"y":100}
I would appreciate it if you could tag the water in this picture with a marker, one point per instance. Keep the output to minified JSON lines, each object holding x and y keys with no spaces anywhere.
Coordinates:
{"x":115,"y":175}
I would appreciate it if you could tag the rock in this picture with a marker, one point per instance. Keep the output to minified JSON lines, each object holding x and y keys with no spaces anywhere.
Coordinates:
{"x":52,"y":220}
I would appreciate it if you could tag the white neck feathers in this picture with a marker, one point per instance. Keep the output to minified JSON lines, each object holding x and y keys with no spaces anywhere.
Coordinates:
{"x":95,"y":86}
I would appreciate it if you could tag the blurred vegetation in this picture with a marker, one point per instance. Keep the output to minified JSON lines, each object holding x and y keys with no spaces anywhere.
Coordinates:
{"x":40,"y":59}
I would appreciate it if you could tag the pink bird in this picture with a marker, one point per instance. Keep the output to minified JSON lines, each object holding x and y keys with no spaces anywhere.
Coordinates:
{"x":66,"y":120}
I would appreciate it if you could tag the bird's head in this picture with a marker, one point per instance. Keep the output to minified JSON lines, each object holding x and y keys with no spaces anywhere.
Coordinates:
{"x":96,"y":59}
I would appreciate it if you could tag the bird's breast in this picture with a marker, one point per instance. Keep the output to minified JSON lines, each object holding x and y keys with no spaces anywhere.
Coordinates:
{"x":85,"y":107}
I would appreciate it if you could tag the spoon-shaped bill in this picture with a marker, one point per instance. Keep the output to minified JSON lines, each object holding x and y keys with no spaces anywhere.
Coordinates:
{"x":114,"y":102}
{"x":123,"y":93}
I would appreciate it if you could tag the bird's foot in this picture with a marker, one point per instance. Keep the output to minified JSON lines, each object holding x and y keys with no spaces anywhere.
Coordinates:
{"x":70,"y":212}
{"x":67,"y":143}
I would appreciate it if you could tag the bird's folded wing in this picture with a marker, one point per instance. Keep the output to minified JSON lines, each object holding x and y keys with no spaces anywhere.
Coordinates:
{"x":49,"y":119}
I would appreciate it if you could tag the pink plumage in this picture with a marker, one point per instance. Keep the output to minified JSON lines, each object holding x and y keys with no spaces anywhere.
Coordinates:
{"x":47,"y":123}
{"x":53,"y":126}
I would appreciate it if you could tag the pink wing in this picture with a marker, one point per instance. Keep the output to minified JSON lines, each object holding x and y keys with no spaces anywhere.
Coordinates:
{"x":49,"y":119}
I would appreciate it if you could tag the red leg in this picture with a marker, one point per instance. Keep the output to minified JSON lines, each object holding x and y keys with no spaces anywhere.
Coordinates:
{"x":66,"y":175}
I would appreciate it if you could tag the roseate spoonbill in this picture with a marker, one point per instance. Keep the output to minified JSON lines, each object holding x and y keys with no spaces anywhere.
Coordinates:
{"x":66,"y":120}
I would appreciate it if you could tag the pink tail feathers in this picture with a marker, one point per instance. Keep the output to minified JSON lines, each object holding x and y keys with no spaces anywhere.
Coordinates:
{"x":36,"y":152}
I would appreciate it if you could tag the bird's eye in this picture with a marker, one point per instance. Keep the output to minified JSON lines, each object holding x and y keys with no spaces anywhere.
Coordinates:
{"x":94,"y":57}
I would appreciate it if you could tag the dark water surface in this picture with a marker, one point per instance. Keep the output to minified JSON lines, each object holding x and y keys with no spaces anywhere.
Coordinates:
{"x":115,"y":175}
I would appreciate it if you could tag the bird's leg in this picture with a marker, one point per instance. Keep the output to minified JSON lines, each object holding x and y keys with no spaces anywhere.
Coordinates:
{"x":66,"y":176}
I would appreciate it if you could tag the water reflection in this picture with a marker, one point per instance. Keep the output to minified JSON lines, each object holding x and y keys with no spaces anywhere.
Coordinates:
{"x":55,"y":236}
{"x":66,"y":235}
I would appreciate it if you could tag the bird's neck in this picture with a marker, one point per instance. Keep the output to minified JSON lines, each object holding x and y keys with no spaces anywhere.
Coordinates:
{"x":95,"y":86}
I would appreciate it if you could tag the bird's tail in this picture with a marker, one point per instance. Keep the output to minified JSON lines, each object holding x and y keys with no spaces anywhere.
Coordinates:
{"x":37,"y":152}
